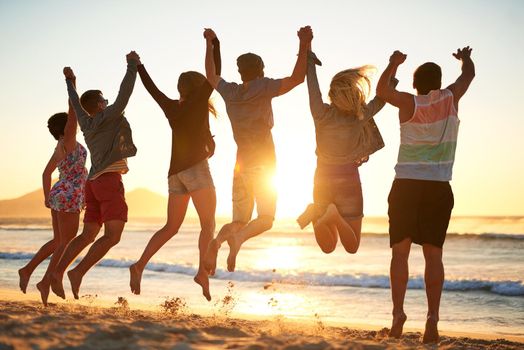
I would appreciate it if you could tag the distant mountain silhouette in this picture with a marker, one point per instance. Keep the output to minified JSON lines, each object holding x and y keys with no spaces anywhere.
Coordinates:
{"x":142,"y":203}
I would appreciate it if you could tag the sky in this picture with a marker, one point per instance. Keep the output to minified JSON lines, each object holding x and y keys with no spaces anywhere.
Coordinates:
{"x":39,"y":38}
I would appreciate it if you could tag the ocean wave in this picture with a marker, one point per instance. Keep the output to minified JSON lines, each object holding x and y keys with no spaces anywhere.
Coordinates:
{"x":504,"y":287}
{"x":196,"y":229}
{"x":487,"y":235}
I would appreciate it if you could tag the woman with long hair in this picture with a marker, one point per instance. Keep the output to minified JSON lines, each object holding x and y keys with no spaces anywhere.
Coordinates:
{"x":346,"y":136}
{"x":189,"y":176}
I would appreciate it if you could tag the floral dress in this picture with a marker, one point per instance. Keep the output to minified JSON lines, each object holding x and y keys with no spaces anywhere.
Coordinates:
{"x":67,"y":194}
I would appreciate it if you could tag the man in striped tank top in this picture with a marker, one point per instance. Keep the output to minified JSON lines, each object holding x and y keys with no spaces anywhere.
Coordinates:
{"x":421,"y":200}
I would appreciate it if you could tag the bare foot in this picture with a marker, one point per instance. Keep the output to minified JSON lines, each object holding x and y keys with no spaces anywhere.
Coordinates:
{"x":43,"y":287}
{"x":203,"y":280}
{"x":397,"y":325}
{"x":136,"y":278}
{"x":210,"y":259}
{"x":56,"y":285}
{"x":24,"y":279}
{"x":234,"y":247}
{"x":310,"y":214}
{"x":329,"y":215}
{"x":75,"y":281}
{"x":431,"y":332}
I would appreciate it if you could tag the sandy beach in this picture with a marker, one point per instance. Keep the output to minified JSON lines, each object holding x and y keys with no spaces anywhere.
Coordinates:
{"x":92,"y":324}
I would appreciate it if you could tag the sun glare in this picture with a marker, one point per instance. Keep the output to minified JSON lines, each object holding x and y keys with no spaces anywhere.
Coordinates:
{"x":294,"y":191}
{"x":273,"y":303}
{"x":284,"y":257}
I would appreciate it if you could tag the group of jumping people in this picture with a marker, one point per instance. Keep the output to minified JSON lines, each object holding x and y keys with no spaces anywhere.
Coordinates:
{"x":420,"y":200}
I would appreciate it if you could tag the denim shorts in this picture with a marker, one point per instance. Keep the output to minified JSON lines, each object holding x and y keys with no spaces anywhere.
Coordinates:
{"x":194,"y":178}
{"x":340,"y":185}
{"x":253,"y":185}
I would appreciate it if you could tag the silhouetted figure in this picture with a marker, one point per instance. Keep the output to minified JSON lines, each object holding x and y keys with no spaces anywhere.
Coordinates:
{"x":421,"y":200}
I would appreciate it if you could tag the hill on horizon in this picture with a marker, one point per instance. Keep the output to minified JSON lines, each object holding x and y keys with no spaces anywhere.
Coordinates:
{"x":142,"y":203}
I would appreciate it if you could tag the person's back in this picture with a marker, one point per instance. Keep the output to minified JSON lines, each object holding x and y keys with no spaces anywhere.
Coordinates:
{"x":107,"y":132}
{"x":428,"y":140}
{"x":72,"y":178}
{"x":346,"y":136}
{"x":108,"y":141}
{"x":108,"y":137}
{"x":249,"y":109}
{"x":342,"y":136}
{"x":421,"y":198}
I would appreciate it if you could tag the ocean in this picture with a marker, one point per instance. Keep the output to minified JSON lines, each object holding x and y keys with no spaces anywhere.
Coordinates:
{"x":283,"y":274}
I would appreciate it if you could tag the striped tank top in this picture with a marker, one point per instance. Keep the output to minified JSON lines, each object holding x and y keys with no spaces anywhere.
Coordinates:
{"x":429,"y":139}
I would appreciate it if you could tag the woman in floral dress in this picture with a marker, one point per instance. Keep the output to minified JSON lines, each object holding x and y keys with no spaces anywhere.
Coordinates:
{"x":65,"y":198}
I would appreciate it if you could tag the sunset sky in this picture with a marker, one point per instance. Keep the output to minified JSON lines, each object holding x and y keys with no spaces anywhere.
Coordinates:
{"x":39,"y":38}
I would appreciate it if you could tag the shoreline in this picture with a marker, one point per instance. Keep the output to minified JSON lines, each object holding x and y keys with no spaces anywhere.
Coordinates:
{"x":98,"y":323}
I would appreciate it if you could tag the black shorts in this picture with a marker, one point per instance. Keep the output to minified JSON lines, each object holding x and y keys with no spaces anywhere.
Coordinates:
{"x":420,"y":210}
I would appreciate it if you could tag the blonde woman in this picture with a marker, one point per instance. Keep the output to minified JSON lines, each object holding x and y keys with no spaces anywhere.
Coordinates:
{"x":346,"y":135}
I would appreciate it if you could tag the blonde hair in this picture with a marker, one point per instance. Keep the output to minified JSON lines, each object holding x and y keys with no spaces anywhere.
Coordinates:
{"x":350,"y":88}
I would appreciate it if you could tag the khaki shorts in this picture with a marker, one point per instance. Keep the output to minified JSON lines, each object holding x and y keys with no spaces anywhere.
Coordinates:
{"x":195,"y":178}
{"x":250,"y":186}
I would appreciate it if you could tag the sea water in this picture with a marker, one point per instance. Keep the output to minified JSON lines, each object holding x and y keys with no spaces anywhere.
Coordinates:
{"x":284,"y":274}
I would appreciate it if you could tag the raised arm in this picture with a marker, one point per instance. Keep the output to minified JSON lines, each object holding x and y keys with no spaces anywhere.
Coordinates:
{"x":376,"y":104}
{"x":213,"y":61}
{"x":216,"y":56}
{"x":151,"y":87}
{"x":127,"y":85}
{"x":74,"y":102}
{"x":316,"y":104}
{"x":387,"y":91}
{"x":72,"y":123}
{"x":46,"y":177}
{"x":461,"y":85}
{"x":305,"y":34}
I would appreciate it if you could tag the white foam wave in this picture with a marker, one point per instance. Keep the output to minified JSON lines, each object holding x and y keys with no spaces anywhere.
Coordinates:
{"x":499,"y":287}
{"x":507,"y":288}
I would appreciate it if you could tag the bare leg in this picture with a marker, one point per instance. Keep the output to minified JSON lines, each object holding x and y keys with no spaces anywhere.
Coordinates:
{"x":74,"y":248}
{"x":68,"y":227}
{"x":112,"y":233}
{"x":252,"y":229}
{"x":205,"y":204}
{"x":434,"y":280}
{"x":43,"y":253}
{"x":176,"y":211}
{"x":349,"y":232}
{"x":227,"y":231}
{"x":399,"y":273}
{"x":326,"y":236}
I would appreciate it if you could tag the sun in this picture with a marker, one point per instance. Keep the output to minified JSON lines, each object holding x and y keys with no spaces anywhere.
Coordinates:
{"x":294,"y":186}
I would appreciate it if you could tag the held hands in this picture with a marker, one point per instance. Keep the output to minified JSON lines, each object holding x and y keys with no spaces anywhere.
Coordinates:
{"x":209,"y":34}
{"x":305,"y":34}
{"x":69,"y":74}
{"x":133,"y":56}
{"x":397,"y":58}
{"x":463,"y":53}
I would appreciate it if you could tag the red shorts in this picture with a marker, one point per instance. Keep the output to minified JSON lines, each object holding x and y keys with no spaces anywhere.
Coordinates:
{"x":105,"y":199}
